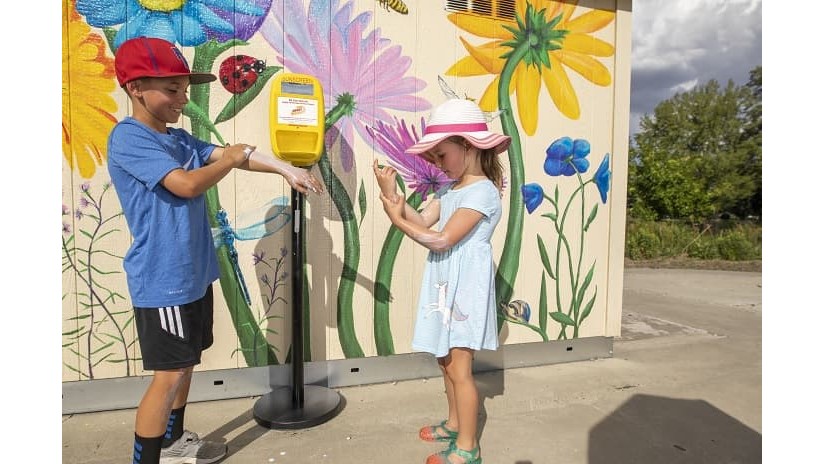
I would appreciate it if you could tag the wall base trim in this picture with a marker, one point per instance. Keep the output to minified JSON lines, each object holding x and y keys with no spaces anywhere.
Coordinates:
{"x":126,"y":392}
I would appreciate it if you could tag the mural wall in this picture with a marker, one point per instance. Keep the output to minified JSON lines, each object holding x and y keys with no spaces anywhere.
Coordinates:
{"x":558,"y":72}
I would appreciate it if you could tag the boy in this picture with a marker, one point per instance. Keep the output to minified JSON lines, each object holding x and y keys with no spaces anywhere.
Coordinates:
{"x":160,"y":175}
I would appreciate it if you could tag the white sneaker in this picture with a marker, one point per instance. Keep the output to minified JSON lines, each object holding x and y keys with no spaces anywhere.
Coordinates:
{"x":189,"y":449}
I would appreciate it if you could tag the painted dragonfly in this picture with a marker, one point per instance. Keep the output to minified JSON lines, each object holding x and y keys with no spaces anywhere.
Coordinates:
{"x":276,"y":214}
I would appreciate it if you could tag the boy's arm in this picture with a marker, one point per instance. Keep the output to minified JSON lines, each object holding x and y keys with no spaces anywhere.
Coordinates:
{"x":460,"y":224}
{"x":189,"y":184}
{"x":298,"y":178}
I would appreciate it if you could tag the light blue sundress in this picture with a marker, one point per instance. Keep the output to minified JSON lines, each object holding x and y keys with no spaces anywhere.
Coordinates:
{"x":456,"y":304}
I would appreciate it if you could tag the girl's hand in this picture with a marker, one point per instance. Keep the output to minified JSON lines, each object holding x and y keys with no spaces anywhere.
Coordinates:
{"x":386,"y":179}
{"x":393,"y":206}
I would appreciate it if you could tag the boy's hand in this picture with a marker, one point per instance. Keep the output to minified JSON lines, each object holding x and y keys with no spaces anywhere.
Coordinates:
{"x":301,"y":179}
{"x":386,"y":179}
{"x":238,"y":153}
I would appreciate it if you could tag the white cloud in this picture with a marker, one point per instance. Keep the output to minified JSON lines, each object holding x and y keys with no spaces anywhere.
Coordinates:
{"x":678,"y":44}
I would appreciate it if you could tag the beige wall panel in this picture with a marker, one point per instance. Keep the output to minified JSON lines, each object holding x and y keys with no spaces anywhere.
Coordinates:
{"x":433,"y":44}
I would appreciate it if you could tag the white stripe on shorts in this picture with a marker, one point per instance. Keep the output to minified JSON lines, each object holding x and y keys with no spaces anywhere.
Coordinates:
{"x":170,"y":320}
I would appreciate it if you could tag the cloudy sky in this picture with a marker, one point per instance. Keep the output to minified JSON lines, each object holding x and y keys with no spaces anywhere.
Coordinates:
{"x":678,"y":44}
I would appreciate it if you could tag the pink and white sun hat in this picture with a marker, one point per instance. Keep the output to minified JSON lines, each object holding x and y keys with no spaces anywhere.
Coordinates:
{"x":461,"y":117}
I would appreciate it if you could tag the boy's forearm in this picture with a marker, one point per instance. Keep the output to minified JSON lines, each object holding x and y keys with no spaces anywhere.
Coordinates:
{"x":190,"y":184}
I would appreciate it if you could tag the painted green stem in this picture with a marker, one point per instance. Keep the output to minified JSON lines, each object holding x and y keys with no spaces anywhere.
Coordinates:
{"x":352,"y":243}
{"x":509,"y":261}
{"x":383,"y":282}
{"x":256,"y":350}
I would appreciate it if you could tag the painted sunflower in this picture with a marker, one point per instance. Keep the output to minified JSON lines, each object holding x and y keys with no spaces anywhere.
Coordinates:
{"x":88,"y":81}
{"x":556,"y":40}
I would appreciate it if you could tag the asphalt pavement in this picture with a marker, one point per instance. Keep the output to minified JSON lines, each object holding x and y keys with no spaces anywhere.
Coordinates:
{"x":684,"y":385}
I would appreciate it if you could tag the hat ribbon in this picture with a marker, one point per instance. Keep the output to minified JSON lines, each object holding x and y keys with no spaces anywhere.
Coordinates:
{"x":469,"y":127}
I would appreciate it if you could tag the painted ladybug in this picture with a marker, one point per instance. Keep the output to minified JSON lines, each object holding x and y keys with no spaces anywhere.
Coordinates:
{"x":239,"y":72}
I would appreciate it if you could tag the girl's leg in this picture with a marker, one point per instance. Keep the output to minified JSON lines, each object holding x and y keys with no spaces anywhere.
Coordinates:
{"x":459,"y":369}
{"x":449,"y":389}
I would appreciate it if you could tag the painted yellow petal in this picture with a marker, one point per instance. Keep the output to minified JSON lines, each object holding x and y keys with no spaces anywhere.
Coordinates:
{"x":489,"y":101}
{"x":467,"y":66}
{"x":567,"y":12}
{"x":561,"y":90}
{"x":488,"y":55}
{"x":528,"y":85}
{"x":551,"y":8}
{"x":588,"y":45}
{"x":587,"y":66}
{"x":482,"y":26}
{"x":591,"y":21}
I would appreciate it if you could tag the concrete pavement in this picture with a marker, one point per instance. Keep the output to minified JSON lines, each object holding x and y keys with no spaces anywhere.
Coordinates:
{"x":684,"y":386}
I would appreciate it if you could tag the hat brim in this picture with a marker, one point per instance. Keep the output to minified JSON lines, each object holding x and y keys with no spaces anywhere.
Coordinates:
{"x":481,"y":139}
{"x":194,"y":78}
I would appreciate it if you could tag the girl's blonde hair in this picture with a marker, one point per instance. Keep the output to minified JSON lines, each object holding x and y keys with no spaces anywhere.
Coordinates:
{"x":490,"y":162}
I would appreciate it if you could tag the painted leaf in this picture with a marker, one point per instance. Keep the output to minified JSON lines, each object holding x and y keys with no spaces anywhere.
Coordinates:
{"x":543,"y":305}
{"x":585,"y":284}
{"x":545,"y":260}
{"x":362,"y":200}
{"x":198,"y":116}
{"x":559,"y":316}
{"x":239,"y":102}
{"x":591,"y":217}
{"x":589,"y":307}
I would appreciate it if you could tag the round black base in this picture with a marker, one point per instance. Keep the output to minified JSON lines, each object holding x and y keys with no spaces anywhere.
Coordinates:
{"x":275,"y":410}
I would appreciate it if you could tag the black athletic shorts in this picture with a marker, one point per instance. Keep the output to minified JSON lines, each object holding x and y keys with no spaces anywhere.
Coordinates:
{"x":173,"y":337}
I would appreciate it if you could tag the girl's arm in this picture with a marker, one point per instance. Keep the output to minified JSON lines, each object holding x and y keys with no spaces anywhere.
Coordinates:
{"x":385,"y":175}
{"x":460,"y":224}
{"x":298,"y":178}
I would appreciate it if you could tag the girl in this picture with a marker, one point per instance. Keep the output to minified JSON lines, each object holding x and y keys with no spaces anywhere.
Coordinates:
{"x":456,"y":307}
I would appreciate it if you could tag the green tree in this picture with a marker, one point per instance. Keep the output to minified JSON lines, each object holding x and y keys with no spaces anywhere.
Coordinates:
{"x":699,"y":154}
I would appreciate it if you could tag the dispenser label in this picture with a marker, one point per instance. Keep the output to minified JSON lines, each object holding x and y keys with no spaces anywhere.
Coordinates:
{"x":297,"y":111}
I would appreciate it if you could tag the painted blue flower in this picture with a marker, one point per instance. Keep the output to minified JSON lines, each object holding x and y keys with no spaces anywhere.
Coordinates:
{"x":602,"y":177}
{"x":187,"y":22}
{"x":566,"y":157}
{"x":533,"y":195}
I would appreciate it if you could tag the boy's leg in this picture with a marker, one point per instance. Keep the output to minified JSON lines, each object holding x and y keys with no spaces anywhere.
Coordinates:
{"x":171,"y":341}
{"x":459,"y":367}
{"x":153,"y":414}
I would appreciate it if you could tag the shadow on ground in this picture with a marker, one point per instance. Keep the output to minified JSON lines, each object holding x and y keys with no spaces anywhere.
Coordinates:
{"x":650,"y":429}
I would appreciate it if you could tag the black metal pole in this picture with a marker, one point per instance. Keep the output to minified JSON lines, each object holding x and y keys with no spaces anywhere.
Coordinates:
{"x":297,"y":299}
{"x":297,"y":406}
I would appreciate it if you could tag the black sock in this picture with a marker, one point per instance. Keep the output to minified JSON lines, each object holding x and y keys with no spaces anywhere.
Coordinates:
{"x":174,"y":428}
{"x":147,"y":450}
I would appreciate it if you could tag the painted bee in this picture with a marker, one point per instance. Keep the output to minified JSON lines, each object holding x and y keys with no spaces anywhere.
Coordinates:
{"x":397,"y":5}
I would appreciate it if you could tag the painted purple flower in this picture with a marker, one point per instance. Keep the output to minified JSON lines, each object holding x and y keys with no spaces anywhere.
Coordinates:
{"x":78,"y":214}
{"x":419,"y":174}
{"x":84,"y":202}
{"x":566,"y":157}
{"x":258,"y":257}
{"x":67,"y":229}
{"x":85,"y":186}
{"x":326,"y":42}
{"x":65,"y":210}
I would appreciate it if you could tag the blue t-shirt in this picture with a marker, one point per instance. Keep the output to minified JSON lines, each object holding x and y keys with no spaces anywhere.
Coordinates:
{"x":172,"y":259}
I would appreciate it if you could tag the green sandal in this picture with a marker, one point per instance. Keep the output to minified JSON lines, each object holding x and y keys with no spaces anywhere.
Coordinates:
{"x":433,"y":433}
{"x":470,"y":457}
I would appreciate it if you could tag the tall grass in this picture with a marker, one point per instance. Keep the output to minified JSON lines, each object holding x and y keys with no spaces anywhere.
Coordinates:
{"x":731,"y":240}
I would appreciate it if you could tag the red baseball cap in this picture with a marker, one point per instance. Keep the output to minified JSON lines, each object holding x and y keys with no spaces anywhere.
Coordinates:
{"x":153,"y":57}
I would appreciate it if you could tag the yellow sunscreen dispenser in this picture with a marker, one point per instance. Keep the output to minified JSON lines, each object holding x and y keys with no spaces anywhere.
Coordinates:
{"x":296,"y":118}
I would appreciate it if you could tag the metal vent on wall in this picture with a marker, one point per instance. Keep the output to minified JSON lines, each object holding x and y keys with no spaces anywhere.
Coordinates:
{"x":500,"y":9}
